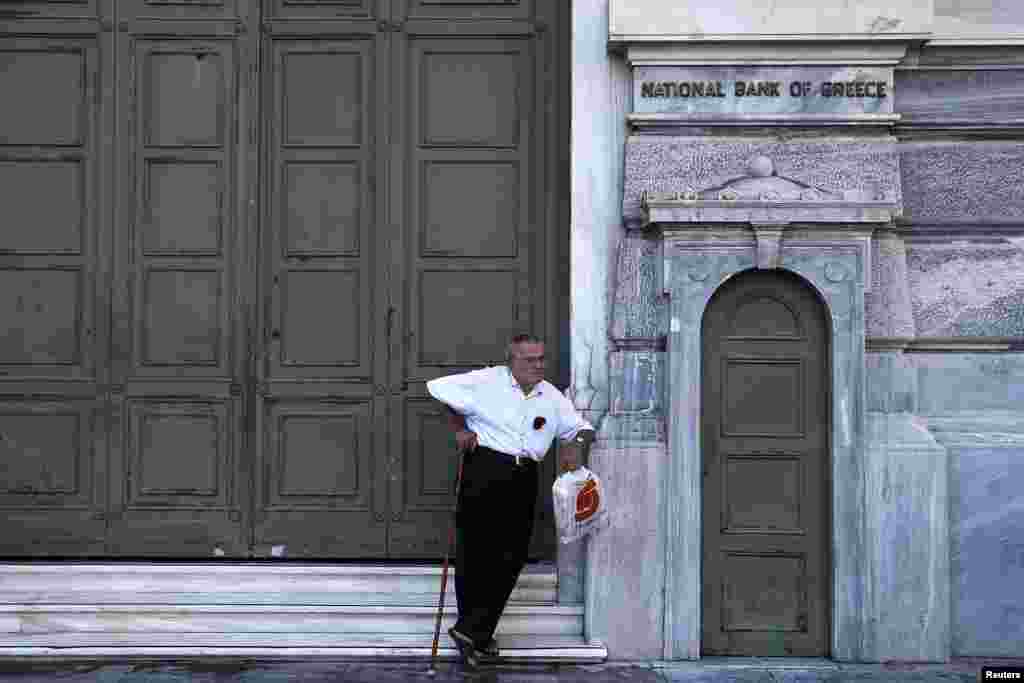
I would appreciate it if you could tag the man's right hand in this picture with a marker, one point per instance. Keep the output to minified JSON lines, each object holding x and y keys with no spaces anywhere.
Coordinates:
{"x":465,"y":440}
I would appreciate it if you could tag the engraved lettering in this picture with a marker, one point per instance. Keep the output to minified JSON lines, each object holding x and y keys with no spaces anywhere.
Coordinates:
{"x":647,"y":89}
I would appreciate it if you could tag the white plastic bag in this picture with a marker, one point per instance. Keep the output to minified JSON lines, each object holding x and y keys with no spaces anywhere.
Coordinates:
{"x":579,"y":505}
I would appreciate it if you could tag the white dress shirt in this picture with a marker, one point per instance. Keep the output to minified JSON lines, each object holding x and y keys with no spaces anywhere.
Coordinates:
{"x":503,"y":417}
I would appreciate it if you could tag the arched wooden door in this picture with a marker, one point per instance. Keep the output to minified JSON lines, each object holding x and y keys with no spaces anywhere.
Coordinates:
{"x":765,"y":440}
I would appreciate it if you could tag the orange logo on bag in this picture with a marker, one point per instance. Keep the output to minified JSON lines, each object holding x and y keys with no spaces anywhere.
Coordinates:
{"x":587,"y":501}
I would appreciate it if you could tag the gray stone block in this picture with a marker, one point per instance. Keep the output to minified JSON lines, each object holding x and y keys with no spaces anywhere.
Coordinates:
{"x":636,"y":311}
{"x":986,"y":530}
{"x":973,"y":96}
{"x":951,"y":383}
{"x":625,"y":605}
{"x":891,"y":382}
{"x":958,"y":182}
{"x":887,"y":306}
{"x":967,"y":290}
{"x":908,"y":547}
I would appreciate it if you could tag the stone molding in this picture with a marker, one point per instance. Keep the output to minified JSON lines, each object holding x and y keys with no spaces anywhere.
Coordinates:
{"x":795,"y":50}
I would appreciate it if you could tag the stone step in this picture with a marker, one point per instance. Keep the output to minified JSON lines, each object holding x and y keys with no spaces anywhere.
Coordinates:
{"x":533,"y":648}
{"x":341,"y":598}
{"x":241,"y":583}
{"x":51,"y":619}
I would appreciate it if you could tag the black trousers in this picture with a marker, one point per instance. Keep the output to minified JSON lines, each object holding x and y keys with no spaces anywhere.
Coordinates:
{"x":494,"y":522}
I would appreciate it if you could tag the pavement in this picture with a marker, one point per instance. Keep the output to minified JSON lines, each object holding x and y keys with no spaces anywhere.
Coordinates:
{"x":708,"y":670}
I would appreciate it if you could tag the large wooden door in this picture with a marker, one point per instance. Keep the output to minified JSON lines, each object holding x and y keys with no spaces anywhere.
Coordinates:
{"x":403,"y":242}
{"x":765,"y":433}
{"x":239,"y":238}
{"x":468,"y":180}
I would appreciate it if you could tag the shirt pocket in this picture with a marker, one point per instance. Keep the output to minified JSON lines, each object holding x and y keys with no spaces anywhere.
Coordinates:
{"x":540,"y":439}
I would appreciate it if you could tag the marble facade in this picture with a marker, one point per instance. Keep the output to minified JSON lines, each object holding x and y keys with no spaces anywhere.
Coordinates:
{"x":906,"y":223}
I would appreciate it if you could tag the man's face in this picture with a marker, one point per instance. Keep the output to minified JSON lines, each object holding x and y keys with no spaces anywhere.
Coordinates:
{"x":528,"y":363}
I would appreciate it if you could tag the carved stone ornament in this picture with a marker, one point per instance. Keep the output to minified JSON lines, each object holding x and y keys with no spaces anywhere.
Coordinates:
{"x":763,"y":196}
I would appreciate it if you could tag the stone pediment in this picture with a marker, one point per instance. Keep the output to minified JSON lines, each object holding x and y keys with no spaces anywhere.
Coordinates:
{"x":764,"y":197}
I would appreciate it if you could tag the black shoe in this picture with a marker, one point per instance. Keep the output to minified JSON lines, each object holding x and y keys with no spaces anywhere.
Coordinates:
{"x":466,"y":649}
{"x":490,"y":649}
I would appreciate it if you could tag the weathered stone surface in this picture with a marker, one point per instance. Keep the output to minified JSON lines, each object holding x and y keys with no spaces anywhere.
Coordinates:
{"x":891,"y":382}
{"x":987,"y":529}
{"x":638,"y":382}
{"x":595,"y":191}
{"x":675,"y":163}
{"x":957,"y":182}
{"x":625,"y":606}
{"x":950,"y":383}
{"x":636,"y":311}
{"x":887,"y":305}
{"x":967,"y":290}
{"x":958,"y":95}
{"x":907,"y":554}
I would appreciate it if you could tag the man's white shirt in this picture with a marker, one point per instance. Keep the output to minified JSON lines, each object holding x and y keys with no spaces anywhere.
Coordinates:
{"x":503,"y":417}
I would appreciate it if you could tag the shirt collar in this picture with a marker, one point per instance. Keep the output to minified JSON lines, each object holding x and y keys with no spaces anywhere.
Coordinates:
{"x":537,"y":391}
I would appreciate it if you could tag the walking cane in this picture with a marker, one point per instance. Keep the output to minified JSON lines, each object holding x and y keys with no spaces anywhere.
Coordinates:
{"x":432,"y":671}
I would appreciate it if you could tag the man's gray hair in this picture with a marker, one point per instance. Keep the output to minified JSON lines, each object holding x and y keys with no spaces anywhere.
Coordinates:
{"x":524,"y":338}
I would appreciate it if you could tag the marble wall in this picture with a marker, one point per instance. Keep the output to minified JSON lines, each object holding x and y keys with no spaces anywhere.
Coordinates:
{"x":974,"y":406}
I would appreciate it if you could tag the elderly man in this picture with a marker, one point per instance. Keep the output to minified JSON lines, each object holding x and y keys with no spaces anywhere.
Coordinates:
{"x":505,"y":418}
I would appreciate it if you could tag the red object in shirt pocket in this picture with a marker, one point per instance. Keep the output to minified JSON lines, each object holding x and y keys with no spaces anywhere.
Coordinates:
{"x":538,"y":422}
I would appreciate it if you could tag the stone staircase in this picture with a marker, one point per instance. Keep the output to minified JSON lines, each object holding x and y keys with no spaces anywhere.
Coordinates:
{"x":79,"y":609}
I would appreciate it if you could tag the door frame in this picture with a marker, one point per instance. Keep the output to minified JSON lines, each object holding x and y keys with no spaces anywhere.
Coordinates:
{"x":835,"y":264}
{"x":827,"y":480}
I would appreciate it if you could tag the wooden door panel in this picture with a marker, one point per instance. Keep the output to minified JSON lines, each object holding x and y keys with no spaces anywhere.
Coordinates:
{"x":321,"y":480}
{"x":53,"y":343}
{"x":765,"y":440}
{"x":179,"y":494}
{"x":465,"y":235}
{"x":762,"y":494}
{"x":321,"y":224}
{"x":179,"y":9}
{"x":470,"y":9}
{"x":180,"y":358}
{"x":324,"y":9}
{"x":46,"y":9}
{"x":762,"y":397}
{"x":317,"y":484}
{"x":48,"y":497}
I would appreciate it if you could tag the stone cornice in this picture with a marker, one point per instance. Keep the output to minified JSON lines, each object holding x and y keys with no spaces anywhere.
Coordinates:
{"x":788,"y":50}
